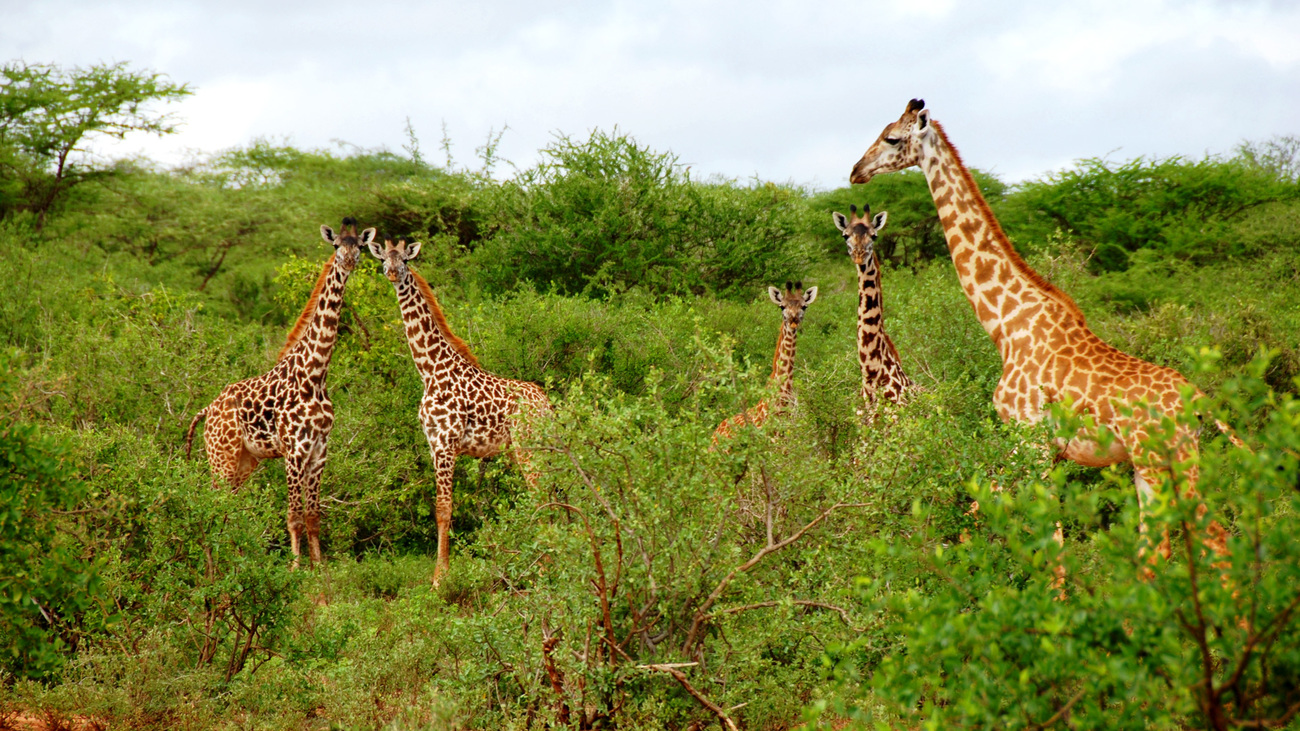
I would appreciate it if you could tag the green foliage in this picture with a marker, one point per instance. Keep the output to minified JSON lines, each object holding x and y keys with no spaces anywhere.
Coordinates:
{"x":1181,"y":208}
{"x":1208,"y":641}
{"x":148,"y":291}
{"x":47,"y":112}
{"x":45,"y":581}
{"x":1278,"y":156}
{"x":607,"y":214}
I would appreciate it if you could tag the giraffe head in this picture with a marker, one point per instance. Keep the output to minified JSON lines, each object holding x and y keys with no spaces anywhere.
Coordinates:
{"x":793,"y":302}
{"x":394,"y":255}
{"x":860,"y":232}
{"x":898,"y":146}
{"x":347,"y":246}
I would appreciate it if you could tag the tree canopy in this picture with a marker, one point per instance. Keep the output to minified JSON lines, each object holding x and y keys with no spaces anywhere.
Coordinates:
{"x":48,"y":113}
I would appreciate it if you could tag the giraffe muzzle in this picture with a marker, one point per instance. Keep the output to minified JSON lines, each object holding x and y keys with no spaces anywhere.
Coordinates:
{"x":860,"y":176}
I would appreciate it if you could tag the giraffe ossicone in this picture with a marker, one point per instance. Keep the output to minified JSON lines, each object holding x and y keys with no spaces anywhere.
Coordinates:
{"x":1049,"y":355}
{"x":793,"y":301}
{"x":464,"y":410}
{"x":286,"y":412}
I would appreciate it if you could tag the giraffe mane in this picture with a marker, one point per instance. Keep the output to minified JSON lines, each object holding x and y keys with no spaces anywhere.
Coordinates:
{"x":441,"y":320}
{"x":300,"y":327}
{"x":1009,"y":251}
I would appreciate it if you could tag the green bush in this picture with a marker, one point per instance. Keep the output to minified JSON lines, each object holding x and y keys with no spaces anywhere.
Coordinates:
{"x":607,"y":214}
{"x":46,"y":581}
{"x":1181,"y":208}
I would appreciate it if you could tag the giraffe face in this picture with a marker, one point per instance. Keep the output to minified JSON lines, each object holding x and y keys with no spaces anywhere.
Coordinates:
{"x":346,"y":243}
{"x":793,"y":302}
{"x":394,"y":255}
{"x":898,"y":146}
{"x":860,"y":233}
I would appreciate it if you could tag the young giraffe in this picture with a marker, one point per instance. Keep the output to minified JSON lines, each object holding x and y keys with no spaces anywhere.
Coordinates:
{"x":882,"y":369}
{"x":465,"y":409}
{"x":1048,"y":353}
{"x":286,"y":412}
{"x":793,"y":303}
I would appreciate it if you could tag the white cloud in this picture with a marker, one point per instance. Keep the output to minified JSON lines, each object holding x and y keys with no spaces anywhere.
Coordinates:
{"x":783,"y":90}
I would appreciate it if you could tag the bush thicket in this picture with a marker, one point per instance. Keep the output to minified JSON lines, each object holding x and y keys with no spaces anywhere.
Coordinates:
{"x":817,"y":568}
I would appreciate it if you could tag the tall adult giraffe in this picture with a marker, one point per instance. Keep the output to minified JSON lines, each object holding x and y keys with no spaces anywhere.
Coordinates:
{"x":286,"y":412}
{"x":794,"y":303}
{"x":465,"y":409}
{"x":882,"y":369}
{"x":1048,"y":353}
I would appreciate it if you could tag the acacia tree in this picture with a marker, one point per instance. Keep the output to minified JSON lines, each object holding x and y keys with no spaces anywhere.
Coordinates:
{"x":47,"y":114}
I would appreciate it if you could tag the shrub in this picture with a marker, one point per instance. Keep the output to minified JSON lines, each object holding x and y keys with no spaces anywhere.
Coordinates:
{"x":1179,"y":207}
{"x":46,"y":581}
{"x":607,"y":214}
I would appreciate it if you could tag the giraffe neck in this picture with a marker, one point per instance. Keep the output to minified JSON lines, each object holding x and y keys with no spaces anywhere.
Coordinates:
{"x":1009,"y":298}
{"x":783,"y":363}
{"x":871,"y":314}
{"x":317,"y":343}
{"x":876,"y":355}
{"x":432,"y":351}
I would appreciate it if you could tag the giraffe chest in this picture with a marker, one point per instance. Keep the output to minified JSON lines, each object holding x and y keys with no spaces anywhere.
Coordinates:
{"x":469,"y":415}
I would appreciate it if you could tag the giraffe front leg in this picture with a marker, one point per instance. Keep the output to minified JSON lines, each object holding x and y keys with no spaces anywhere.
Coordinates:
{"x":1143,"y":479}
{"x":444,"y":462}
{"x":295,"y":467}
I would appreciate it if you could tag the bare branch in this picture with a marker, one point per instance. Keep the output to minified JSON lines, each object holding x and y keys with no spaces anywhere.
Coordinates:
{"x":701,"y":614}
{"x":680,"y":677}
{"x":844,"y":614}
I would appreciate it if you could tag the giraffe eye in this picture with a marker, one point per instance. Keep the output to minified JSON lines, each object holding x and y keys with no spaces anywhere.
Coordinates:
{"x":892,"y":140}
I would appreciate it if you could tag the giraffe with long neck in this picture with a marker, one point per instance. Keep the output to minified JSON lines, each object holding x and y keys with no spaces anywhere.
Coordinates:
{"x":883,"y":376}
{"x":465,"y":409}
{"x":794,"y":303}
{"x":1048,"y":353}
{"x":287,"y":412}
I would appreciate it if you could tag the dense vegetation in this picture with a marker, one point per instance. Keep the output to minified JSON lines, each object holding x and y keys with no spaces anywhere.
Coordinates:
{"x":817,"y":571}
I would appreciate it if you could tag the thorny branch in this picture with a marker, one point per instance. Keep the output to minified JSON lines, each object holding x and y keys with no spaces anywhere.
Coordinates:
{"x":680,"y":677}
{"x":702,"y":613}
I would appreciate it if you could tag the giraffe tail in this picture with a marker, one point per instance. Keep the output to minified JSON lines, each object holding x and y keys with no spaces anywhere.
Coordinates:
{"x":1231,"y":434}
{"x":189,"y":436}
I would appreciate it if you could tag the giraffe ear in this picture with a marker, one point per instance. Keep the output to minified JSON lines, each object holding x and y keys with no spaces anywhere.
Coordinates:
{"x":809,"y":295}
{"x":376,"y":249}
{"x":840,"y":221}
{"x":412,"y":251}
{"x":879,"y":221}
{"x":327,"y":233}
{"x":774,"y":294}
{"x":368,"y":236}
{"x":923,"y":120}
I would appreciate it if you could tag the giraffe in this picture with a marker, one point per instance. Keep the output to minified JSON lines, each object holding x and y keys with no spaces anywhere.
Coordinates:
{"x":465,"y":409}
{"x":286,"y":412}
{"x":794,"y":303}
{"x":1048,"y":353}
{"x":882,"y":369}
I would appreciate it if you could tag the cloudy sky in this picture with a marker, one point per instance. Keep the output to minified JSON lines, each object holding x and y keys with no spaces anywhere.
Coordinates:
{"x":783,"y":91}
